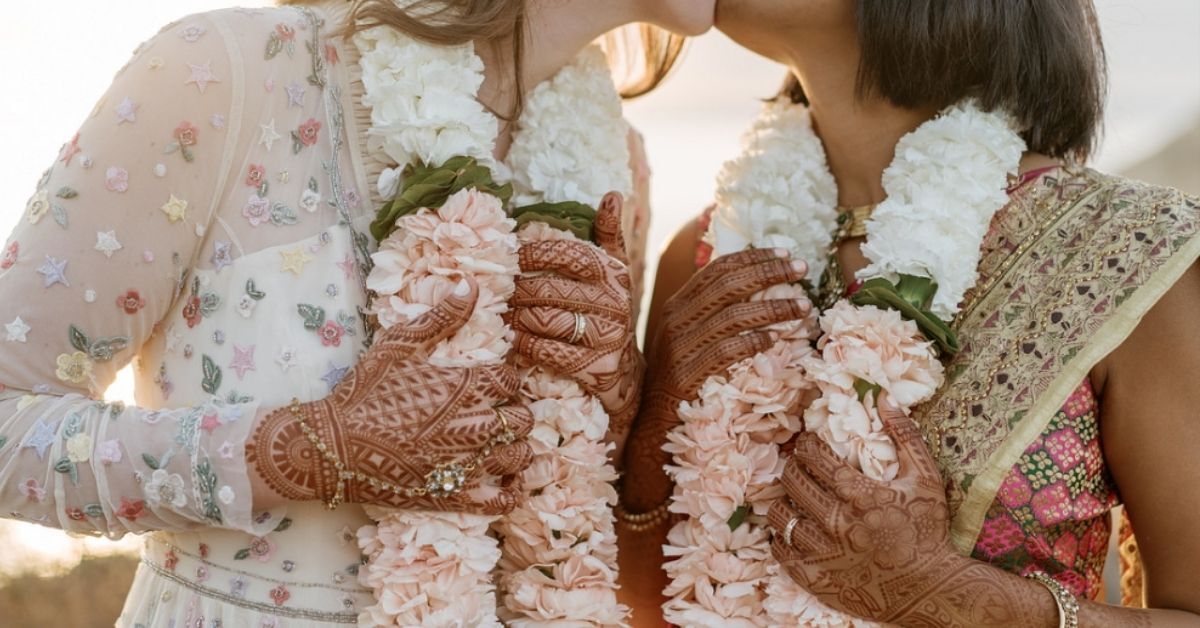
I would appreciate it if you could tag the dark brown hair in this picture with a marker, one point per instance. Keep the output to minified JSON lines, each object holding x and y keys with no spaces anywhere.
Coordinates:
{"x":1040,"y":60}
{"x":451,"y":23}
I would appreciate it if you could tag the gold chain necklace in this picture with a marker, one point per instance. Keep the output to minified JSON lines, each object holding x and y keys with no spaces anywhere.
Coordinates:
{"x":851,"y":223}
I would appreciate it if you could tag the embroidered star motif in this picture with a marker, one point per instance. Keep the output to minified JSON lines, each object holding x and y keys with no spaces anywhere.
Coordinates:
{"x":127,"y":111}
{"x":269,"y":135}
{"x":173,"y":339}
{"x":16,"y":330}
{"x":243,"y":360}
{"x":175,"y":209}
{"x":334,"y":375}
{"x":295,"y":259}
{"x":222,"y":255}
{"x":347,"y":265}
{"x":286,"y":358}
{"x":54,"y":271}
{"x":69,"y":150}
{"x":42,"y":437}
{"x":201,"y":76}
{"x":295,"y":93}
{"x":106,"y":243}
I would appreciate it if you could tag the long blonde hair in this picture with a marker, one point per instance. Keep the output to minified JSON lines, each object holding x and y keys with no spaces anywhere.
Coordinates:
{"x":641,"y":55}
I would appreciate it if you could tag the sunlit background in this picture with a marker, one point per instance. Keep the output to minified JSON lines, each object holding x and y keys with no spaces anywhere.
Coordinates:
{"x":56,"y":59}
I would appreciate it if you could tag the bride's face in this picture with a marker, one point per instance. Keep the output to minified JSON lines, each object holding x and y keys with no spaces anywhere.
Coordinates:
{"x":682,"y":17}
{"x":773,"y":27}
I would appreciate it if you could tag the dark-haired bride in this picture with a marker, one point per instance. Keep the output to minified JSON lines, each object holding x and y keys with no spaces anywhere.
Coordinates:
{"x":993,"y":347}
{"x":209,"y":224}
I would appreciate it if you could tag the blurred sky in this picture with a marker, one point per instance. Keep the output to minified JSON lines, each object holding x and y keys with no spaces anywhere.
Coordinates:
{"x":58,"y":58}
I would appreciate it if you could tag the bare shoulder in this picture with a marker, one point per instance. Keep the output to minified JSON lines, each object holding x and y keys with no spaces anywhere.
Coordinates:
{"x":676,"y":265}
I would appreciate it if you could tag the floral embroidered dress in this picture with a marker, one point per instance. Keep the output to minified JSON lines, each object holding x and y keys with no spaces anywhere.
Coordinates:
{"x":208,"y":224}
{"x":1029,"y":487}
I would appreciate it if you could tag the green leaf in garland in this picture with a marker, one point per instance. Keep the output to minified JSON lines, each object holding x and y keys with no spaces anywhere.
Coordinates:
{"x":429,"y":186}
{"x":151,"y":462}
{"x":910,"y":297}
{"x":864,"y":388}
{"x":79,"y":339}
{"x":738,"y":517}
{"x":577,"y":218}
{"x":212,"y":375}
{"x":313,"y":316}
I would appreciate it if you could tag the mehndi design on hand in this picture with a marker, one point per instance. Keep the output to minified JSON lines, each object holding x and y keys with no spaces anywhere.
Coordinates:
{"x":395,"y":418}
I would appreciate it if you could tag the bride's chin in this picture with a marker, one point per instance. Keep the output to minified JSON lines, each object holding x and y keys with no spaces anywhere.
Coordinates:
{"x":689,"y":18}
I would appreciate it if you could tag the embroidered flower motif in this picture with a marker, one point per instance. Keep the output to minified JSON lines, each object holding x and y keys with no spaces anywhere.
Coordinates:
{"x":257,"y":210}
{"x":226,"y":495}
{"x":261,"y":548}
{"x":201,"y":574}
{"x":31,"y":490}
{"x":237,"y":586}
{"x":310,"y":200}
{"x":280,"y":595}
{"x":131,"y":509}
{"x":192,"y":33}
{"x":286,"y":358}
{"x":79,"y":448}
{"x":37,"y":206}
{"x":186,"y":134}
{"x":225,"y":450}
{"x":170,"y":560}
{"x":116,"y":179}
{"x":255,"y":175}
{"x":268,"y":622}
{"x":284,"y":32}
{"x":11,"y":252}
{"x":246,"y":305}
{"x":76,"y":514}
{"x":305,"y":135}
{"x":165,"y":488}
{"x":331,"y":334}
{"x":191,"y":311}
{"x":175,"y":208}
{"x":109,"y":452}
{"x":74,"y":367}
{"x":131,"y":302}
{"x":210,"y":422}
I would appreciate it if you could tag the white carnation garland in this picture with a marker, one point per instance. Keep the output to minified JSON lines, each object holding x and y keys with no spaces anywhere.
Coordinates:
{"x":557,"y":560}
{"x":946,"y":183}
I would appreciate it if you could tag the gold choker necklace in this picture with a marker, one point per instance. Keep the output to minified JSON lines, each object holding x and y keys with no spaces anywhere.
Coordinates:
{"x":853,"y":220}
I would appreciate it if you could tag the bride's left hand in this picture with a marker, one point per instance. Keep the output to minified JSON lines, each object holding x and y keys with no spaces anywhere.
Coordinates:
{"x":574,"y":315}
{"x":860,"y":545}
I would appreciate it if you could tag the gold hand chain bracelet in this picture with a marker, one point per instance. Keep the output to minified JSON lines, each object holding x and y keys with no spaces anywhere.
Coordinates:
{"x":445,"y":480}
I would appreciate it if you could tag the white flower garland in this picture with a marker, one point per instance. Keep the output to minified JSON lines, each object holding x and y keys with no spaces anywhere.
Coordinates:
{"x":946,"y":183}
{"x":557,"y":561}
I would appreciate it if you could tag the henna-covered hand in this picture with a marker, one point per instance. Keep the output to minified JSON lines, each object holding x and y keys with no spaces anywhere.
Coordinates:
{"x":395,"y":418}
{"x":881,"y":550}
{"x":706,"y":327}
{"x":568,"y":279}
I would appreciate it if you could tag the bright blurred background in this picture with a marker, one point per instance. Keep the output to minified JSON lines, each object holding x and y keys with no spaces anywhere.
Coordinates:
{"x":58,"y":58}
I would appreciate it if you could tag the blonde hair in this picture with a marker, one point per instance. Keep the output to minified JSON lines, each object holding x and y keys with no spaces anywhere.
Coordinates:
{"x":641,"y":55}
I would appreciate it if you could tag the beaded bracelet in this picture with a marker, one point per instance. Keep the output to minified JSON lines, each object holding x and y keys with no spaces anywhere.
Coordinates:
{"x":1068,"y":606}
{"x":444,"y":480}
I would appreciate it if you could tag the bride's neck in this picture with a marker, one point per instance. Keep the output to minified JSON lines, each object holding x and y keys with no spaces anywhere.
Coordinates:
{"x":555,"y":32}
{"x":859,"y":133}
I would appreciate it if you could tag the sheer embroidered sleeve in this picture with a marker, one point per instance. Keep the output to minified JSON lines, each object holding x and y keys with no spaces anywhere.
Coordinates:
{"x":99,"y":258}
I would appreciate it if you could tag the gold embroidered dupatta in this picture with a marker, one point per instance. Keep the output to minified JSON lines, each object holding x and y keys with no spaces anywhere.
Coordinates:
{"x":1069,"y":268}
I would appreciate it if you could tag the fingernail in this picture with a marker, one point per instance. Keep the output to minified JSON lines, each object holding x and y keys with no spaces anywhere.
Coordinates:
{"x":462,"y":289}
{"x":781,"y":252}
{"x":799,"y":266}
{"x":805,"y":305}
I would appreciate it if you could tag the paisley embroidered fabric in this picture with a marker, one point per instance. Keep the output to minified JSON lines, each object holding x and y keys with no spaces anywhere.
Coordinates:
{"x":206,"y":225}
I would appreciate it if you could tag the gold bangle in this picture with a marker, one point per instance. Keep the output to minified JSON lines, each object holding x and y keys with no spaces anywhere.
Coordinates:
{"x":445,"y":480}
{"x":640,"y":522}
{"x":1068,"y":606}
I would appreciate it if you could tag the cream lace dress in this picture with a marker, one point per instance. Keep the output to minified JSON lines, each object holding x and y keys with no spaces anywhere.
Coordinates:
{"x":207,"y":223}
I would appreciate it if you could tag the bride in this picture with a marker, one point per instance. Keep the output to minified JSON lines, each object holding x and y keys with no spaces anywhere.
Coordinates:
{"x":208,"y":224}
{"x":917,"y":141}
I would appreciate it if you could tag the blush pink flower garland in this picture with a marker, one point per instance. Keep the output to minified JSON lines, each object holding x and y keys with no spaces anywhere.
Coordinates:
{"x":433,"y":568}
{"x":559,"y":565}
{"x":726,"y":453}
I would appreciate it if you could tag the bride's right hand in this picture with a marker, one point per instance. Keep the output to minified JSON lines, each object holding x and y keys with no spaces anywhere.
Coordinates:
{"x":395,"y":418}
{"x":706,"y":327}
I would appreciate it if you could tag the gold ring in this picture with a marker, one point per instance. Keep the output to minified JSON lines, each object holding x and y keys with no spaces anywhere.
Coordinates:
{"x":580,"y":328}
{"x":788,"y":529}
{"x":506,"y":433}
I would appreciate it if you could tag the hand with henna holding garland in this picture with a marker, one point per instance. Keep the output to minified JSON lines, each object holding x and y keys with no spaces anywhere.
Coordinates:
{"x":871,"y":71}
